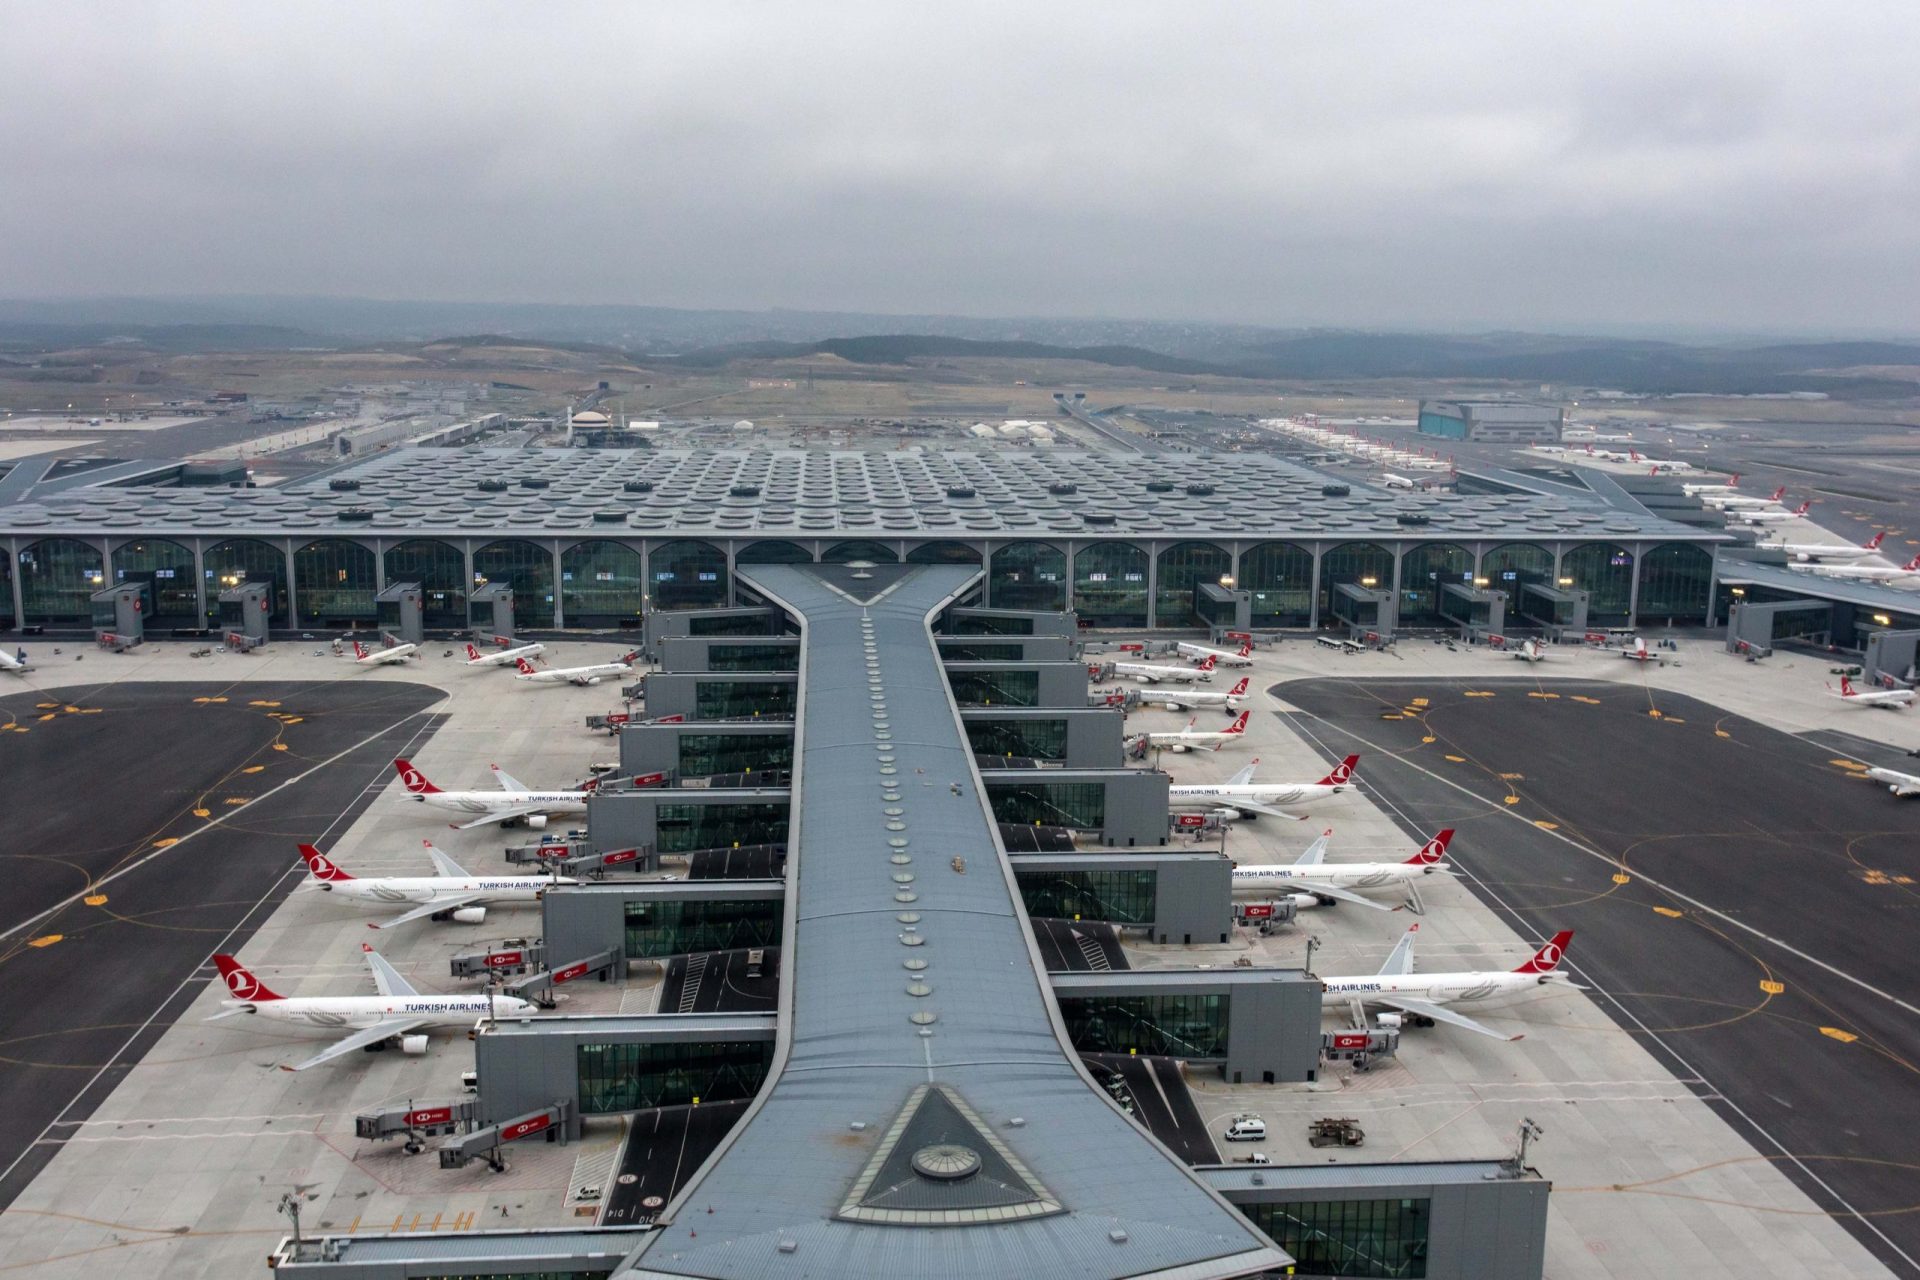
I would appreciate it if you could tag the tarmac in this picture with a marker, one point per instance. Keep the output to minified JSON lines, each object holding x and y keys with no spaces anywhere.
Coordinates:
{"x":180,"y":1168}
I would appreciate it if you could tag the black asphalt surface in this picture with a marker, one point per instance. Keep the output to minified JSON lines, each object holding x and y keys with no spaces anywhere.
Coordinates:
{"x":664,"y":1147}
{"x":1161,"y":1101}
{"x":717,"y":982}
{"x":96,"y":793}
{"x":1772,"y":965}
{"x":1078,"y":946}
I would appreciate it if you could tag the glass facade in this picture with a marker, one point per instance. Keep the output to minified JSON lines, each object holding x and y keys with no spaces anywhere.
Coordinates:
{"x":1050,"y":804}
{"x":944,"y":553}
{"x":334,"y":583}
{"x":702,"y":754}
{"x":687,"y":574}
{"x":228,"y":564}
{"x":726,"y":699}
{"x":678,"y":927}
{"x":441,"y":571}
{"x":980,"y":651}
{"x":732,"y":624}
{"x":1380,"y":1238}
{"x":1121,"y":897}
{"x":1279,"y":575}
{"x":988,"y":625}
{"x":1424,"y":570}
{"x":1025,"y":739}
{"x":528,"y":568}
{"x":57,"y":575}
{"x":1110,"y":584}
{"x":1674,"y":579}
{"x":629,"y":1077}
{"x":1174,"y":1026}
{"x":860,"y":549}
{"x":1028,"y":575}
{"x":6,"y":592}
{"x":681,"y":827}
{"x":167,"y":569}
{"x":753,"y":657}
{"x":1364,"y":564}
{"x":1512,"y":566}
{"x":995,"y":688}
{"x":1605,"y":572}
{"x":1184,"y":566}
{"x":601,"y":584}
{"x":773,"y":552}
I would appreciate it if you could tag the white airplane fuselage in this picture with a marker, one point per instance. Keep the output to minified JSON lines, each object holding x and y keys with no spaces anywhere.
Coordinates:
{"x":1900,"y":784}
{"x":1184,"y":699}
{"x":390,"y":890}
{"x":356,"y":1013}
{"x":577,"y":675}
{"x":507,"y":657}
{"x":1442,"y":988}
{"x":1152,"y":674}
{"x":554,"y":802}
{"x":1221,"y":795}
{"x":381,"y":657}
{"x":1221,"y":657}
{"x":1342,"y":875}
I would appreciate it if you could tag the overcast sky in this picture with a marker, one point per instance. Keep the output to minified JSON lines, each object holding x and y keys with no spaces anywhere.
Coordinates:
{"x":1748,"y":166}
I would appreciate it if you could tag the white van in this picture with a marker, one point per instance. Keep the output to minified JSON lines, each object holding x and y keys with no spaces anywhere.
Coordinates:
{"x":1246,"y":1129}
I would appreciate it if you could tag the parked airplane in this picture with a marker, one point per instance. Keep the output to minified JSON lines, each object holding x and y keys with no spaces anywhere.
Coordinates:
{"x":362,"y":656}
{"x":450,"y":893}
{"x":1863,"y":572}
{"x":513,"y":802}
{"x":1344,"y":646}
{"x":398,"y":1013}
{"x":1659,"y":464}
{"x":18,"y":666}
{"x":1900,"y":784}
{"x":1310,"y":873}
{"x":1529,"y":651}
{"x":1696,"y":490}
{"x":576,"y":675}
{"x":1639,"y":652}
{"x":1415,"y":997}
{"x":504,"y":657}
{"x":1153,"y":673}
{"x":1770,"y":517}
{"x":1392,"y":481}
{"x":1241,"y":657}
{"x":1191,"y":739}
{"x":1188,"y":699}
{"x":1727,"y":501}
{"x":1890,"y":699}
{"x":1828,"y":550}
{"x":1241,"y":797}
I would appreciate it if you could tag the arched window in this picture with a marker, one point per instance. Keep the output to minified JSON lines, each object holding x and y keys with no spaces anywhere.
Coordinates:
{"x":1674,"y":578}
{"x":1183,"y":567}
{"x":1514,"y":565}
{"x":1605,"y":572}
{"x":944,"y":553}
{"x":1028,"y":575}
{"x":167,"y":569}
{"x":528,"y":568}
{"x":773,"y":551}
{"x":688,"y":574}
{"x":441,"y":571}
{"x":1365,"y":564}
{"x":57,"y":577}
{"x":1425,"y":570}
{"x":1279,"y":575}
{"x":860,"y":549}
{"x":1110,"y":584}
{"x":601,"y":584}
{"x":228,"y":564}
{"x":334,"y":582}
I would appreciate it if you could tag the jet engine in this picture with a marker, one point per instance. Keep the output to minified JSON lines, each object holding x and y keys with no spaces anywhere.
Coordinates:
{"x":537,"y":821}
{"x":1390,"y":1021}
{"x":470,"y":915}
{"x":413,"y":1046}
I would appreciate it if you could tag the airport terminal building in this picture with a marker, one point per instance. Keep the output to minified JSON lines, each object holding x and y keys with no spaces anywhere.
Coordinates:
{"x":598,"y":539}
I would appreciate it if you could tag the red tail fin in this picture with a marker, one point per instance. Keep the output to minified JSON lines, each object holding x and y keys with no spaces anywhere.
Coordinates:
{"x":416,"y":781}
{"x":1209,"y":664}
{"x":1547,"y":958}
{"x":473,"y":654}
{"x":242,"y":984}
{"x":1778,"y":494}
{"x":1802,"y":508}
{"x":1846,"y":688}
{"x":321,"y":865}
{"x":1733,"y":481}
{"x":1240,"y":688}
{"x":1433,"y":850}
{"x":1873,"y":543}
{"x":526,"y":668}
{"x":359,"y":650}
{"x":1240,"y":724}
{"x":1342,"y":773}
{"x":1246,"y":648}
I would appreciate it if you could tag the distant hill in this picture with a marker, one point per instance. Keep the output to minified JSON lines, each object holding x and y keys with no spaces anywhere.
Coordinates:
{"x":901,"y":348}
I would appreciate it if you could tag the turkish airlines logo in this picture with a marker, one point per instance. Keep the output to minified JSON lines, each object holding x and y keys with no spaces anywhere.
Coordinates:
{"x":1431,"y":850}
{"x":243,"y":984}
{"x":321,"y":865}
{"x":1341,"y":772}
{"x":1549,"y":955}
{"x":412,"y":780}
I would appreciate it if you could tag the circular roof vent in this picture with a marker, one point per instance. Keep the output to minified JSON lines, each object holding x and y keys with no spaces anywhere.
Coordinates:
{"x":535,"y":482}
{"x":1097,"y":517}
{"x":1414,"y":517}
{"x":1159,"y":486}
{"x":358,"y":514}
{"x":946,"y":1162}
{"x":1199,"y":491}
{"x":609,"y":517}
{"x":343,"y":486}
{"x":493,"y":486}
{"x":959,"y":491}
{"x":1060,"y":488}
{"x":744,"y":491}
{"x":1335,"y":490}
{"x":638,"y":486}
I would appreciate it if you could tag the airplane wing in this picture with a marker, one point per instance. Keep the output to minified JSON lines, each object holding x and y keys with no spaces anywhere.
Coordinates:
{"x":386,"y":977}
{"x":1427,"y":1009}
{"x":1401,"y":961}
{"x":1314,"y":853}
{"x":501,"y":815}
{"x":424,"y":909}
{"x":1243,"y":776}
{"x":1266,"y":810}
{"x":443,"y":865}
{"x":361,"y":1039}
{"x":506,"y":780}
{"x":1330,"y":891}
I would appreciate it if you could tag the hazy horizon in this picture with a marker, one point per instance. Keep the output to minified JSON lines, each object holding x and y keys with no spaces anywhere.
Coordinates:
{"x":1628,"y":170}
